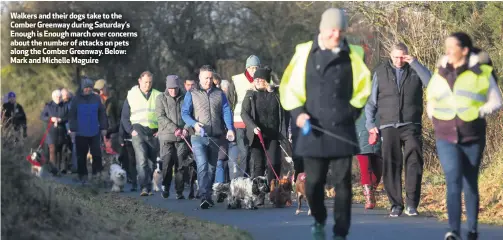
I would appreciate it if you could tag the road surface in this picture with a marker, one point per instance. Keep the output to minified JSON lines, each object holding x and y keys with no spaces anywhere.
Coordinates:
{"x":269,"y":223}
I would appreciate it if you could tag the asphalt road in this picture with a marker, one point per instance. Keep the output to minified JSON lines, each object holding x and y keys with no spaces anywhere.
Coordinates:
{"x":269,"y":223}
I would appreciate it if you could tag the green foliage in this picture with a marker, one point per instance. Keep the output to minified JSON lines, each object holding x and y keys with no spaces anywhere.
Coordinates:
{"x":34,"y":84}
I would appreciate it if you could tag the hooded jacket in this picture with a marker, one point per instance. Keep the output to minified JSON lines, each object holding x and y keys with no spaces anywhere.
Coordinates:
{"x":168,"y":110}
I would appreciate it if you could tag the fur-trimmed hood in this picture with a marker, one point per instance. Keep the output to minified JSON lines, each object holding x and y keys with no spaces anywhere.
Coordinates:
{"x":477,"y":57}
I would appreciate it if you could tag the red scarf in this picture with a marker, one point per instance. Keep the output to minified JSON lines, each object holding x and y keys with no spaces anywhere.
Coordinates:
{"x":247,"y":75}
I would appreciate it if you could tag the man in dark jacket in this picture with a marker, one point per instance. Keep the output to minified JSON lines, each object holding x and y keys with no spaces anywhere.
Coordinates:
{"x":87,"y":118}
{"x":174,"y":150}
{"x":397,"y":94}
{"x":111,"y":109}
{"x":13,"y":115}
{"x":325,"y":86}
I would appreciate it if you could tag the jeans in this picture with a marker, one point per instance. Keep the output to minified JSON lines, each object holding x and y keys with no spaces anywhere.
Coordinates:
{"x":236,"y":166}
{"x":461,"y":163}
{"x":316,"y":172}
{"x":145,"y":149}
{"x":84,"y":145}
{"x":173,"y":154}
{"x":220,"y":171}
{"x":243,"y":156}
{"x":206,"y":154}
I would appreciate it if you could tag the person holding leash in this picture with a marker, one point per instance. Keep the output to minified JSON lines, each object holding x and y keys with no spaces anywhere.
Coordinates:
{"x":325,"y":87}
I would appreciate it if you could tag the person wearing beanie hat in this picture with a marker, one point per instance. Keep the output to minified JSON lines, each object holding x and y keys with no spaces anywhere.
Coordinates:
{"x":262,"y":114}
{"x":325,"y":87}
{"x":173,"y":149}
{"x":242,"y":83}
{"x":139,"y":119}
{"x":87,"y":119}
{"x":13,"y":115}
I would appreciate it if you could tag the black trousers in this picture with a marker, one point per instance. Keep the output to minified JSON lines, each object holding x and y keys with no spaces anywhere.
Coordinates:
{"x":84,"y":145}
{"x":173,"y":154}
{"x":259,"y":161}
{"x":393,"y":139}
{"x":298,"y":163}
{"x":316,"y":170}
{"x":128,"y":161}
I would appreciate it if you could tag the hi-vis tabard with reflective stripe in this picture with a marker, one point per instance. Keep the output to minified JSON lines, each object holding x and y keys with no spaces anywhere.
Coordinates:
{"x":293,"y":83}
{"x":464,"y":100}
{"x":142,"y":111}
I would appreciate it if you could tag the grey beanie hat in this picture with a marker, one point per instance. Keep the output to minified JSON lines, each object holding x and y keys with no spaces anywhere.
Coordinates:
{"x":334,"y":18}
{"x":252,"y":61}
{"x":86,"y":83}
{"x":172,"y":81}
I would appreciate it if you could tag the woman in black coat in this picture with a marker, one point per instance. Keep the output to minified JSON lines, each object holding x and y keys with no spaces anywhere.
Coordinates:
{"x":56,"y":112}
{"x":262,"y":113}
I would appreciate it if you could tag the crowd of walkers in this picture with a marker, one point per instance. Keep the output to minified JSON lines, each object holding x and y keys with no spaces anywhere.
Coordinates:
{"x":328,"y":105}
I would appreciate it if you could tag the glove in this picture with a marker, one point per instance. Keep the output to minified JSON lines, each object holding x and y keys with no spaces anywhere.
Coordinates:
{"x":306,"y":129}
{"x":178,"y":132}
{"x":109,"y":133}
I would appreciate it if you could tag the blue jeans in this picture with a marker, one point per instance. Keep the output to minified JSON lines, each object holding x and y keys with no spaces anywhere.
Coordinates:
{"x":236,"y":166}
{"x":206,"y":154}
{"x":220,"y":171}
{"x":145,"y":149}
{"x":461,"y":163}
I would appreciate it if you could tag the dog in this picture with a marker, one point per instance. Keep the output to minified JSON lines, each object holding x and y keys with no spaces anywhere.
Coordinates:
{"x":118,"y":177}
{"x":193,"y":178}
{"x":300,"y":190}
{"x":157,"y":178}
{"x":281,"y":192}
{"x":38,"y":167}
{"x":243,"y":192}
{"x":329,"y":192}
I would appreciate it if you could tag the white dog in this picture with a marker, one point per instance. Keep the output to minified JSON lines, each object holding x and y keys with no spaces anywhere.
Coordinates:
{"x":157,"y":179}
{"x":243,"y":192}
{"x":118,"y":178}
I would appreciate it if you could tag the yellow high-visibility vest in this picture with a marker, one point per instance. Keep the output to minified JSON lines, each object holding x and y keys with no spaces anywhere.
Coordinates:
{"x":142,"y":110}
{"x":468,"y":94}
{"x":292,"y":88}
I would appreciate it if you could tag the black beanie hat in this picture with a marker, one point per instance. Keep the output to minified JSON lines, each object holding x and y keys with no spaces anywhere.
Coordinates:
{"x":264,"y":73}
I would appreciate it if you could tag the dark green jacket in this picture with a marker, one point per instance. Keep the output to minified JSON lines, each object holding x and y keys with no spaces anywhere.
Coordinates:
{"x":363,"y":137}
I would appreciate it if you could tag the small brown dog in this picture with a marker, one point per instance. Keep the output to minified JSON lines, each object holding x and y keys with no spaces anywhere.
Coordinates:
{"x":281,"y":192}
{"x":329,"y":192}
{"x":300,"y":190}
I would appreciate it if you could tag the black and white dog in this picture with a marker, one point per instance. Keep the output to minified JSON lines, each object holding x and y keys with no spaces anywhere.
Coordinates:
{"x":243,"y":192}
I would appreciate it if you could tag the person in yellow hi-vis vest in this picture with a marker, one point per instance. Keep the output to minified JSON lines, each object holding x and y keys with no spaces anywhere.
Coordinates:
{"x":139,"y":120}
{"x":461,"y":93}
{"x":325,"y":87}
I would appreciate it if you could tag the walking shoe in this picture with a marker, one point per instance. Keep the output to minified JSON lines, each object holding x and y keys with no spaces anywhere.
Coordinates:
{"x":318,"y":231}
{"x":165,"y":194}
{"x":472,"y":236}
{"x":150,"y":193}
{"x":452,"y":236}
{"x":210,"y":201}
{"x":204,"y":204}
{"x":410,"y":211}
{"x":180,"y":196}
{"x":396,"y":211}
{"x":191,"y":196}
{"x":144,"y":192}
